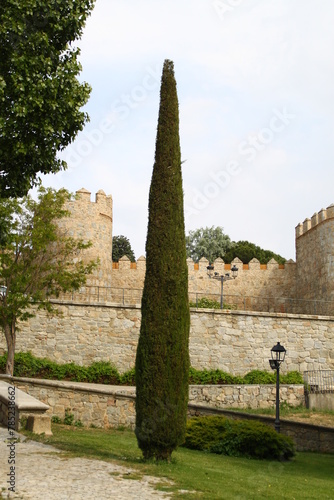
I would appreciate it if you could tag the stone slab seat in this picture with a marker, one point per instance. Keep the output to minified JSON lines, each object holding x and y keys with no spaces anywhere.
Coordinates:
{"x":25,"y":406}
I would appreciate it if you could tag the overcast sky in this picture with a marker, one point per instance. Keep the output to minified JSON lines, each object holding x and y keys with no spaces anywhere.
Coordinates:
{"x":255,"y":87}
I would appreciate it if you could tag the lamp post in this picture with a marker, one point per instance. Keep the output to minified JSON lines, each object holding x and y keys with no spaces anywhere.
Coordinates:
{"x":277,"y":357}
{"x":222,"y":278}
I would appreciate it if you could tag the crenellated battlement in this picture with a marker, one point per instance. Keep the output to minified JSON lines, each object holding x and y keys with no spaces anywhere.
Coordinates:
{"x":92,"y":221}
{"x":310,"y":277}
{"x":316,"y":219}
{"x":102,"y":201}
{"x":254,"y":278}
{"x":315,"y":256}
{"x":219,"y":265}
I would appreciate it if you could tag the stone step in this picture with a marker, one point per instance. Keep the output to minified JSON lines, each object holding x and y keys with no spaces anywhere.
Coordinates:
{"x":16,"y":405}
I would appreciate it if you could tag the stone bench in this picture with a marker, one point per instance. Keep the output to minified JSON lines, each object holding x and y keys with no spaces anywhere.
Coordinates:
{"x":17,"y":407}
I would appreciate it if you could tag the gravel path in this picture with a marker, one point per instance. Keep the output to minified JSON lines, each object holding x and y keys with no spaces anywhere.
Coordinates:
{"x":43,"y":472}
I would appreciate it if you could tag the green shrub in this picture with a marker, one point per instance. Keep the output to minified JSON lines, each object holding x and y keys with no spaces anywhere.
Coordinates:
{"x":69,"y":417}
{"x":293,"y":377}
{"x":259,"y":377}
{"x":202,"y":377}
{"x":205,"y":303}
{"x":204,"y":432}
{"x":56,"y":420}
{"x":237,"y":438}
{"x":128,"y":378}
{"x":26,"y":365}
{"x":103,"y":372}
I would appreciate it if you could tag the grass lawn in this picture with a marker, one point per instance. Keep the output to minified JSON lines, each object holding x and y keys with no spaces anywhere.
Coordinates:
{"x":205,"y":475}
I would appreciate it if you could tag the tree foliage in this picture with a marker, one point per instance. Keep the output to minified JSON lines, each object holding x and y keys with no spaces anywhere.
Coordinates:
{"x":247,"y":251}
{"x":38,"y":260}
{"x":208,"y":242}
{"x":40,"y":95}
{"x":212,"y":243}
{"x":162,"y":361}
{"x":121,"y":246}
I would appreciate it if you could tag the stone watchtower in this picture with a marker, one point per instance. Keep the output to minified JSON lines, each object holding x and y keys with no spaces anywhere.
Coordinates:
{"x":315,"y":256}
{"x":93,"y":221}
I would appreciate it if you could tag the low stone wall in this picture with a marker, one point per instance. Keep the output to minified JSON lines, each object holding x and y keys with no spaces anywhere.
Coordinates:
{"x":107,"y":406}
{"x":321,"y":401}
{"x":234,"y":341}
{"x":113,"y":406}
{"x":92,"y":404}
{"x":245,"y":396}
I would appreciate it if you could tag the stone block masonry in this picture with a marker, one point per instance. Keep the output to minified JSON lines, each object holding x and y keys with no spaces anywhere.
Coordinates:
{"x":309,"y":278}
{"x":92,"y":221}
{"x":315,"y":256}
{"x":234,"y":341}
{"x":113,"y":406}
{"x":254,"y":279}
{"x":16,"y":405}
{"x":252,"y":396}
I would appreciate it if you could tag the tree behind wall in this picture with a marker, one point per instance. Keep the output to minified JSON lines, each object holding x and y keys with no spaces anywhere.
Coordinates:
{"x":162,"y":362}
{"x":246,"y":251}
{"x":37,"y":260}
{"x":208,"y":242}
{"x":40,"y":94}
{"x":121,"y":246}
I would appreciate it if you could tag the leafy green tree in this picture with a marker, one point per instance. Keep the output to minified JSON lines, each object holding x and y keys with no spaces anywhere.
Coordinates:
{"x":247,"y":251}
{"x":162,"y":362}
{"x":121,"y":246}
{"x":208,"y":242}
{"x":38,"y":260}
{"x":40,"y":94}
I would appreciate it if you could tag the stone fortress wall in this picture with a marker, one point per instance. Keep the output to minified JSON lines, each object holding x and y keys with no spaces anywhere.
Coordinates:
{"x":254,"y":279}
{"x":315,"y":256}
{"x":234,"y":341}
{"x":310,"y":277}
{"x":92,"y":221}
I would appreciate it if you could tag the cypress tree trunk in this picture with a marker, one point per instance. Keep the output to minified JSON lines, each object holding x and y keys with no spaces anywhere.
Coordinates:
{"x":162,"y":362}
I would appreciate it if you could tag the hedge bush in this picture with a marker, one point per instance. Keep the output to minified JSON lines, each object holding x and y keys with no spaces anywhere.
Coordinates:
{"x":202,"y":377}
{"x":205,"y":303}
{"x":103,"y":372}
{"x":238,"y":438}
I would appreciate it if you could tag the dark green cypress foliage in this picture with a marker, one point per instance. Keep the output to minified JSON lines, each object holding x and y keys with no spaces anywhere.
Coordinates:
{"x":162,"y":362}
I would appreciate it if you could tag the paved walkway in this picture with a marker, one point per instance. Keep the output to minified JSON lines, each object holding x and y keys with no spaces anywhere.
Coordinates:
{"x":43,"y":472}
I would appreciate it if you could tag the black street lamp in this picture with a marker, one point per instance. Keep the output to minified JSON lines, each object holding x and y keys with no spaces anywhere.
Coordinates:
{"x":222,"y":278}
{"x":277,"y":357}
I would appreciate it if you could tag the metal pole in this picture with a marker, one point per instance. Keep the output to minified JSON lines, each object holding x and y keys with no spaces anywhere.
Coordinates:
{"x":277,"y":422}
{"x":221,"y":291}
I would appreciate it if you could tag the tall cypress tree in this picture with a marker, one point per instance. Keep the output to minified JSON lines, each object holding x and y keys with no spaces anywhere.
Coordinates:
{"x":162,"y":362}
